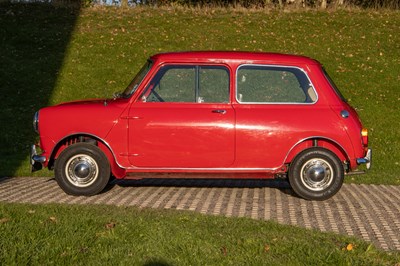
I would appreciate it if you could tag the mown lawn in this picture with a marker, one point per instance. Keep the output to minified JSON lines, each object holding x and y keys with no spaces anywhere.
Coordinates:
{"x":105,"y":235}
{"x":50,"y":55}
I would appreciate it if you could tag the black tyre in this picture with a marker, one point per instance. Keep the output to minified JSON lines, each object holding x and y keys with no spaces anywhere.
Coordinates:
{"x":82,"y":169}
{"x":316,"y":174}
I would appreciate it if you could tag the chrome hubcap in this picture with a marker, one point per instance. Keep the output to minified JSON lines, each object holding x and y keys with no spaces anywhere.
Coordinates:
{"x":81,"y":170}
{"x":316,"y":174}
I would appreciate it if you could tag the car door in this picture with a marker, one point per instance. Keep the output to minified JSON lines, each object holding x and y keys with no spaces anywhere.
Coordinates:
{"x":183,"y":119}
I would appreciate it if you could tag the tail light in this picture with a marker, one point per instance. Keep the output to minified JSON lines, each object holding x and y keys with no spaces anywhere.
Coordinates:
{"x":364,"y":136}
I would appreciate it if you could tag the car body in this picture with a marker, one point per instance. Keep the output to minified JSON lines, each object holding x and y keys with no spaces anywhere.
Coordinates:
{"x":209,"y":114}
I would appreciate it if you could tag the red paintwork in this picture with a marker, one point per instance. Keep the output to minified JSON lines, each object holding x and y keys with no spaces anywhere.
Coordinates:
{"x":190,"y":138}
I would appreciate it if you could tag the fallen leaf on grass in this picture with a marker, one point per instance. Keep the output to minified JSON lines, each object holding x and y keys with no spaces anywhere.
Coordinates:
{"x":53,"y":219}
{"x":110,"y":225}
{"x":349,"y":247}
{"x":267,"y":248}
{"x":83,"y":249}
{"x":4,"y":220}
{"x":224,"y":251}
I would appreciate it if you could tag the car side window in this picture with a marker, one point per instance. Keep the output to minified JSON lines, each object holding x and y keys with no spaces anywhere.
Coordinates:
{"x":214,"y":85}
{"x":190,"y":84}
{"x":173,"y":85}
{"x":272,"y":84}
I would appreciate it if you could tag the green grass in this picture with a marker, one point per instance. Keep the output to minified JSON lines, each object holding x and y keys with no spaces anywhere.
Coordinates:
{"x":59,"y":55}
{"x":65,"y":235}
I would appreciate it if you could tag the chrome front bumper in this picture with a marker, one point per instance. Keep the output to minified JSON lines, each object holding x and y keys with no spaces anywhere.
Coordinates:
{"x":367,"y":160}
{"x":36,"y":160}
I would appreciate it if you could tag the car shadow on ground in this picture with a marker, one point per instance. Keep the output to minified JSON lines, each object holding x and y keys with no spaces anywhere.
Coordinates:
{"x":219,"y":183}
{"x":281,"y":184}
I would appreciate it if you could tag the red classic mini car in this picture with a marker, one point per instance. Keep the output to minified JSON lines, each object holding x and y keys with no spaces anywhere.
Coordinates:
{"x":204,"y":115}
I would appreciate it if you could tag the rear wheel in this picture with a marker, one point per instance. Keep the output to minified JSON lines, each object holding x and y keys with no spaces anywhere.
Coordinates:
{"x":316,"y":174}
{"x":82,"y":169}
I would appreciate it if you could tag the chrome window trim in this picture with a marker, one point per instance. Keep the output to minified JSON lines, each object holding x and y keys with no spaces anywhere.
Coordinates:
{"x":274,"y":103}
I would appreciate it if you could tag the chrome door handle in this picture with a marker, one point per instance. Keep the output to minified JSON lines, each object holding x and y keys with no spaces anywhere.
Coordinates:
{"x":219,"y":111}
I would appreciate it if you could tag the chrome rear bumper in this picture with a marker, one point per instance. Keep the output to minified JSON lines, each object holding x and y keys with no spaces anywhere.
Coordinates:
{"x":367,"y":160}
{"x":36,"y":160}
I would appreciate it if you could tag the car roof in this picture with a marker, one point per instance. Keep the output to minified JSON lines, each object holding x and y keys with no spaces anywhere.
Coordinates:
{"x":212,"y":56}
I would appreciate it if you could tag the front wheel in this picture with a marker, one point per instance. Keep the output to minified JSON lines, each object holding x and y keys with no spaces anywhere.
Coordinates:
{"x":82,"y":169}
{"x":316,"y":174}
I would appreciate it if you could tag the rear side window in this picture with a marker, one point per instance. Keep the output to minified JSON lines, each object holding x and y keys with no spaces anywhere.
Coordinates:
{"x":273,"y":84}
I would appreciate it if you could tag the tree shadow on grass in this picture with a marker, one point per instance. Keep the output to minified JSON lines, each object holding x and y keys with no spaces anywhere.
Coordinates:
{"x":34,"y":40}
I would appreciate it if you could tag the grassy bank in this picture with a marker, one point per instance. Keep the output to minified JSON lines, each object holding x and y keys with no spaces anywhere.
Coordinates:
{"x":59,"y":234}
{"x":60,"y":55}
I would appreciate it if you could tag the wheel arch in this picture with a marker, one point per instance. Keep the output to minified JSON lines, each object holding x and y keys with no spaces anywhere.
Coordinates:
{"x":69,"y":140}
{"x":320,"y":142}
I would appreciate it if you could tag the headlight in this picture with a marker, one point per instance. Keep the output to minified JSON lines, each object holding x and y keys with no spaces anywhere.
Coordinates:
{"x":36,"y":122}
